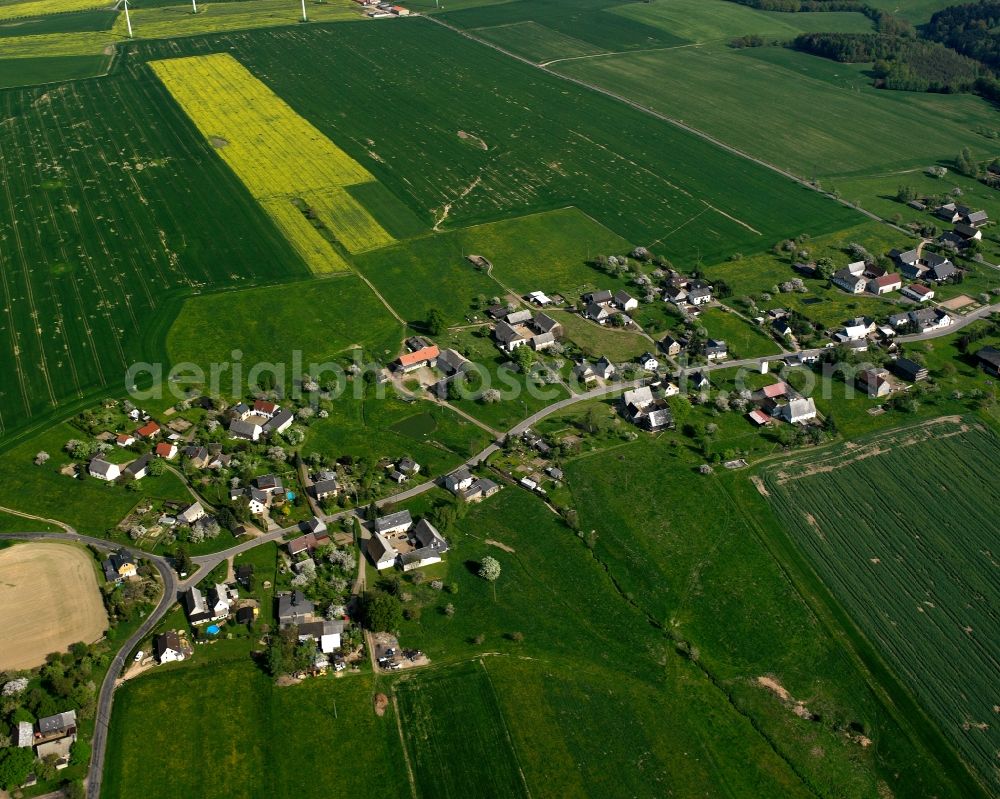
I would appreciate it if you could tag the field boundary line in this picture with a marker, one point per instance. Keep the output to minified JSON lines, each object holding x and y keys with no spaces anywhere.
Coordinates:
{"x":24,"y":515}
{"x":402,"y":742}
{"x":506,"y":728}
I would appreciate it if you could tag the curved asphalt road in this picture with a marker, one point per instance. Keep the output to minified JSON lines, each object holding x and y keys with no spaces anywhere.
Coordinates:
{"x":173,"y":586}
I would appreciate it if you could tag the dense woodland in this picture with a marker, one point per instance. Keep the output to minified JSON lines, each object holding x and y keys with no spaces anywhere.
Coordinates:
{"x":969,"y":30}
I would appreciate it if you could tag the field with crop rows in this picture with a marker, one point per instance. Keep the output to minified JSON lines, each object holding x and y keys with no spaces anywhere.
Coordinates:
{"x":489,"y":137}
{"x":279,"y":156}
{"x":902,"y":529}
{"x":453,"y":716}
{"x":110,"y":209}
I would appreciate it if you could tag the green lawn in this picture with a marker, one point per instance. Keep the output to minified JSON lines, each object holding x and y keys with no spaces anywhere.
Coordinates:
{"x":225,"y":720}
{"x":595,"y":340}
{"x":745,"y":340}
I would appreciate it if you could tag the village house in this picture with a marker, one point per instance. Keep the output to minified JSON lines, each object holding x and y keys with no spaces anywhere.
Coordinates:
{"x":196,"y":455}
{"x":451,"y":362}
{"x":798,"y":411}
{"x":645,"y":410}
{"x":988,"y":359}
{"x":597,"y":313}
{"x":968,"y":232}
{"x":648,"y":362}
{"x":698,"y":380}
{"x":624,"y":301}
{"x":851,"y":278}
{"x":247,"y":430}
{"x":315,"y":537}
{"x":149,"y":430}
{"x":926,"y":320}
{"x":398,"y":522}
{"x":396,"y":541}
{"x":716,"y":350}
{"x":909,"y":370}
{"x":856,"y":329}
{"x":480,"y":489}
{"x":459,"y":480}
{"x":699,"y":293}
{"x":417,"y":359}
{"x":103,"y":470}
{"x":169,"y":648}
{"x":782,"y":328}
{"x":671,"y":346}
{"x":294,"y":608}
{"x":119,"y":565}
{"x":584,"y":371}
{"x":522,"y":327}
{"x":191,"y":514}
{"x":325,"y":485}
{"x":279,"y":423}
{"x":950,"y":212}
{"x":325,"y":633}
{"x":125,"y":440}
{"x":165,"y":450}
{"x":139,"y":468}
{"x":885,"y":284}
{"x":265,"y":408}
{"x":874,"y":382}
{"x":604,"y":369}
{"x":918,"y":292}
{"x":54,"y":737}
{"x":195,"y":606}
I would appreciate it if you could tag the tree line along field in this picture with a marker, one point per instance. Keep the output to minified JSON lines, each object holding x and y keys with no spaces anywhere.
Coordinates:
{"x":901,"y":527}
{"x":658,"y":185}
{"x":110,"y":210}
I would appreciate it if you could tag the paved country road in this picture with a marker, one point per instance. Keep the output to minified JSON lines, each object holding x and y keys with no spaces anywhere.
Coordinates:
{"x":173,"y":586}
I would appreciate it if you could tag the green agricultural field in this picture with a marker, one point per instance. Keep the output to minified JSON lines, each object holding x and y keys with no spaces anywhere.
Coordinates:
{"x":912,"y":569}
{"x":721,"y":20}
{"x":324,"y":321}
{"x":659,"y":186}
{"x":722,"y":91}
{"x":589,"y":22}
{"x":91,"y":506}
{"x":9,"y":523}
{"x":745,"y":339}
{"x":86,"y":296}
{"x":453,"y":716}
{"x":97,"y":20}
{"x":237,"y":708}
{"x":588,"y":688}
{"x":536,"y":42}
{"x":35,"y":71}
{"x":916,"y":11}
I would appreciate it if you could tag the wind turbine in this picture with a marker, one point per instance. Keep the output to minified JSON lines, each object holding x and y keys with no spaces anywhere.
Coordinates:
{"x":194,"y":4}
{"x":128,"y":21}
{"x":304,"y":17}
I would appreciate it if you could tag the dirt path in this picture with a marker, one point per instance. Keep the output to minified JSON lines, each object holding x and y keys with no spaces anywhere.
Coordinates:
{"x":62,"y":525}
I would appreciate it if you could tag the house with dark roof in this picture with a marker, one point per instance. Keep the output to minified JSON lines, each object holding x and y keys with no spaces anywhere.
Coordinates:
{"x":138,"y":468}
{"x":874,"y":382}
{"x":326,"y":486}
{"x":452,"y":362}
{"x":120,"y":565}
{"x":716,"y":350}
{"x":851,"y":278}
{"x":624,"y":301}
{"x":458,"y":480}
{"x":246,"y":430}
{"x":604,"y":297}
{"x":909,"y":370}
{"x":294,"y":608}
{"x":280,"y":422}
{"x":195,"y":606}
{"x":169,"y":648}
{"x":398,"y":522}
{"x":988,"y":359}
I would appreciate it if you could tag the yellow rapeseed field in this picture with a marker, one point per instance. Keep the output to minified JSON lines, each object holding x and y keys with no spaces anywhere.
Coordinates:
{"x":346,"y":217}
{"x":277,"y":154}
{"x":320,"y":257}
{"x":38,"y":8}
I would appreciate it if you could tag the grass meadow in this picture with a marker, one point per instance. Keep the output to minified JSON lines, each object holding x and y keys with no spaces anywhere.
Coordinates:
{"x":923,"y":593}
{"x":744,"y":339}
{"x":232,"y":733}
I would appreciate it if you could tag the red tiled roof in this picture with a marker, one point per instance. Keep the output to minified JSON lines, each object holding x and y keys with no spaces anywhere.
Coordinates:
{"x":918,"y":288}
{"x":264,"y":406}
{"x":163,"y":450}
{"x":148,"y":430}
{"x":887,"y":280}
{"x":759,"y":417}
{"x":424,"y":354}
{"x":774,"y":390}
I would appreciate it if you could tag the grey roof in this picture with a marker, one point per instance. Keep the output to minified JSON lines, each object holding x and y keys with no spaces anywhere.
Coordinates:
{"x":279,"y":419}
{"x":715,"y":346}
{"x":542,"y":339}
{"x":293,"y":605}
{"x":518,"y":317}
{"x":544,"y":323}
{"x":138,"y":465}
{"x":451,"y":361}
{"x":505,"y":333}
{"x":100,"y":466}
{"x":599,"y":296}
{"x":268,"y":482}
{"x":908,"y":368}
{"x":377,"y":547}
{"x":943,"y":270}
{"x":397,"y":519}
{"x":622,"y":296}
{"x":327,"y":486}
{"x":595,"y":311}
{"x":460,"y":474}
{"x":60,"y":722}
{"x":990,"y":355}
{"x":977,"y":217}
{"x":661,"y":417}
{"x":238,"y":427}
{"x":195,"y":604}
{"x":428,"y":536}
{"x":700,"y":291}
